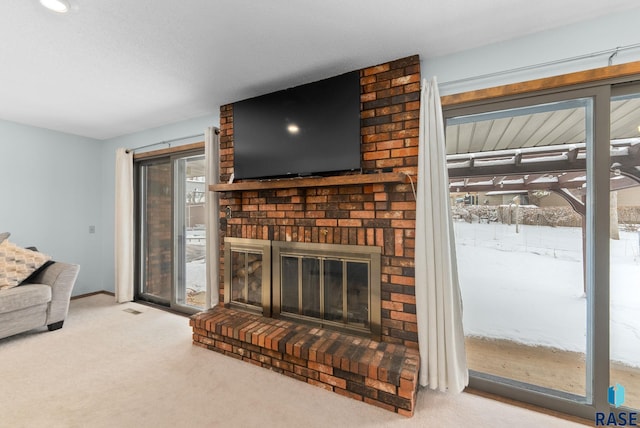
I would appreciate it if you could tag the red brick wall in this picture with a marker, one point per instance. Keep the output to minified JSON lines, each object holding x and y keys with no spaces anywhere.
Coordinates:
{"x":380,"y":214}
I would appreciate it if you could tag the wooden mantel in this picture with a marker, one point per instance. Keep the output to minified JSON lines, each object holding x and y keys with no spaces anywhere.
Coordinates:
{"x":289,"y":183}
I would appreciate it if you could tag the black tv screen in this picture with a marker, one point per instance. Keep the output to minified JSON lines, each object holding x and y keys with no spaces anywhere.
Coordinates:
{"x":305,"y":130}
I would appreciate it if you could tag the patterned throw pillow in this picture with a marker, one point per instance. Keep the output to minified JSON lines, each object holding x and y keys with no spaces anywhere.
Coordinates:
{"x":3,"y":236}
{"x":16,"y":264}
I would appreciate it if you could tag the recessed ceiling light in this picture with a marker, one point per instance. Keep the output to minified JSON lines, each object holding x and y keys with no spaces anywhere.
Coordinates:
{"x":60,"y":6}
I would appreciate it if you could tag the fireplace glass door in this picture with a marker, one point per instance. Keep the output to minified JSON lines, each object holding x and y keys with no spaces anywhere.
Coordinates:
{"x":328,"y":289}
{"x":296,"y":297}
{"x":246,"y":283}
{"x":330,"y":285}
{"x":248,"y":275}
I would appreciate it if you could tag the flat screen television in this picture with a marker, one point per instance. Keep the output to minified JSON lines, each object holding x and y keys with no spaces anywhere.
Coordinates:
{"x":312,"y":129}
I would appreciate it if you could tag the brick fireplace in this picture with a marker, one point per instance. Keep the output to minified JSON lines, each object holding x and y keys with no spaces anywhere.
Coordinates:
{"x":367,"y":213}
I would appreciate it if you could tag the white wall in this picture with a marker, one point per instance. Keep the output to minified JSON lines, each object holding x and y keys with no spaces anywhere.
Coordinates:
{"x":107,"y":154}
{"x":616,"y":30}
{"x":51,"y":194}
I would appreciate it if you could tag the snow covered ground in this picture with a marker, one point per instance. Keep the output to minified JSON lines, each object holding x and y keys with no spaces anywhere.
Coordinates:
{"x":196,"y":275}
{"x":196,"y":265}
{"x":527,"y":287}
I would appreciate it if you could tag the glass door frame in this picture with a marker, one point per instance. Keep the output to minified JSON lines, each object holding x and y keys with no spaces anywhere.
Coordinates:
{"x":179,"y":235}
{"x":597,"y":268}
{"x":621,"y":90}
{"x":141,"y":228}
{"x":177,"y":272}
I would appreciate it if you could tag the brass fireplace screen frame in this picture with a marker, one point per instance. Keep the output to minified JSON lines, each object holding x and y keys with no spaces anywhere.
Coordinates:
{"x":271,"y":253}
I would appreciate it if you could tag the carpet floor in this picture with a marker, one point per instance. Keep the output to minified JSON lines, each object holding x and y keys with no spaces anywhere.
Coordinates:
{"x":132,"y":365}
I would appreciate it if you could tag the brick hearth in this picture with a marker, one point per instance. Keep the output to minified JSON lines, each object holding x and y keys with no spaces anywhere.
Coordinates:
{"x":379,"y":373}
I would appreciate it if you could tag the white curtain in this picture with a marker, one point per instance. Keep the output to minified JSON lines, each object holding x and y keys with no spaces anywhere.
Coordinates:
{"x":124,"y":226}
{"x":212,"y":219}
{"x":438,"y":302}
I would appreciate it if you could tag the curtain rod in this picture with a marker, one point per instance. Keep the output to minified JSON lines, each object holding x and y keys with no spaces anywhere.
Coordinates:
{"x":167,"y":142}
{"x":611,"y":52}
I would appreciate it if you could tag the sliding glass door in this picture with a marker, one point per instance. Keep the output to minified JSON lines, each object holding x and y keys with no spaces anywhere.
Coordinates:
{"x":189,"y":231}
{"x":624,"y":200}
{"x":172,"y":241}
{"x":527,"y":179}
{"x":156,"y":255}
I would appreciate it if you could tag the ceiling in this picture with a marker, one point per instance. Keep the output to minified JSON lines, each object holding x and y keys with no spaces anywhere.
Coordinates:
{"x":113,"y":67}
